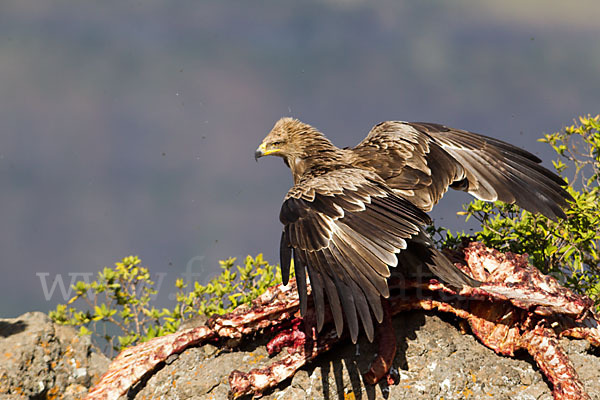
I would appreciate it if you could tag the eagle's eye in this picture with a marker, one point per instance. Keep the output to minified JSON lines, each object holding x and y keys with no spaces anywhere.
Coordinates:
{"x":277,"y":143}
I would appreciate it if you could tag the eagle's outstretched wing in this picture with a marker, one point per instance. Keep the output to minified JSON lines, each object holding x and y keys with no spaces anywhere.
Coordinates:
{"x":346,"y":227}
{"x":421,"y":160}
{"x":354,"y":213}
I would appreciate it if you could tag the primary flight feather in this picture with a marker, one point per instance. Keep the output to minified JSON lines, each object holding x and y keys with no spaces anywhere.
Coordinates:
{"x":354,"y":213}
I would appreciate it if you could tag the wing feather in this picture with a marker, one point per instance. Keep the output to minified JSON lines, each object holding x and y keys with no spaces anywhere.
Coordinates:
{"x":491,"y":169}
{"x":340,"y":280}
{"x":285,"y":258}
{"x":316,"y":282}
{"x":347,"y":239}
{"x":371,"y":293}
{"x":332,"y":296}
{"x":299,"y":269}
{"x":361,"y":263}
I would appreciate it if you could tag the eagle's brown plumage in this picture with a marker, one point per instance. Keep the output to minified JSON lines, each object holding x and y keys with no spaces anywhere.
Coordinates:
{"x":354,"y":213}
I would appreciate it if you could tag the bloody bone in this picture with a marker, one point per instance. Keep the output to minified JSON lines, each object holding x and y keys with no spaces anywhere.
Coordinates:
{"x":517,"y":307}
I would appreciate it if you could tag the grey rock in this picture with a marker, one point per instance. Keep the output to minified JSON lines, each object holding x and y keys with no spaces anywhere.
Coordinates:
{"x":434,"y":360}
{"x":43,"y":360}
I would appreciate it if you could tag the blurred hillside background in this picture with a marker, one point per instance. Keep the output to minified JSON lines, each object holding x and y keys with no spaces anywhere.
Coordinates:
{"x":129,"y":127}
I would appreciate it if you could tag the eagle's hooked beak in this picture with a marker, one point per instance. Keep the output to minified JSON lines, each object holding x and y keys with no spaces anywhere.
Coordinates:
{"x":259,"y":152}
{"x":262,"y":151}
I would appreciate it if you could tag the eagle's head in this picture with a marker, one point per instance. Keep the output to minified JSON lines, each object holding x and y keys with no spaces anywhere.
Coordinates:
{"x":292,"y":139}
{"x":283,"y":140}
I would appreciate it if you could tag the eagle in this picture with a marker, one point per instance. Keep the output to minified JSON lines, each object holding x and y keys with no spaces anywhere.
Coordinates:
{"x":356,"y":215}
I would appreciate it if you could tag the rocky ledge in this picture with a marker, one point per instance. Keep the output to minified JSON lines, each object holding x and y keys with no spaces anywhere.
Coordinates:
{"x":41,"y":360}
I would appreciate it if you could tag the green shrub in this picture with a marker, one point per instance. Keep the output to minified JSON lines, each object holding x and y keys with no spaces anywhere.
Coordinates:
{"x":568,"y":248}
{"x":228,"y":290}
{"x":120,"y":299}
